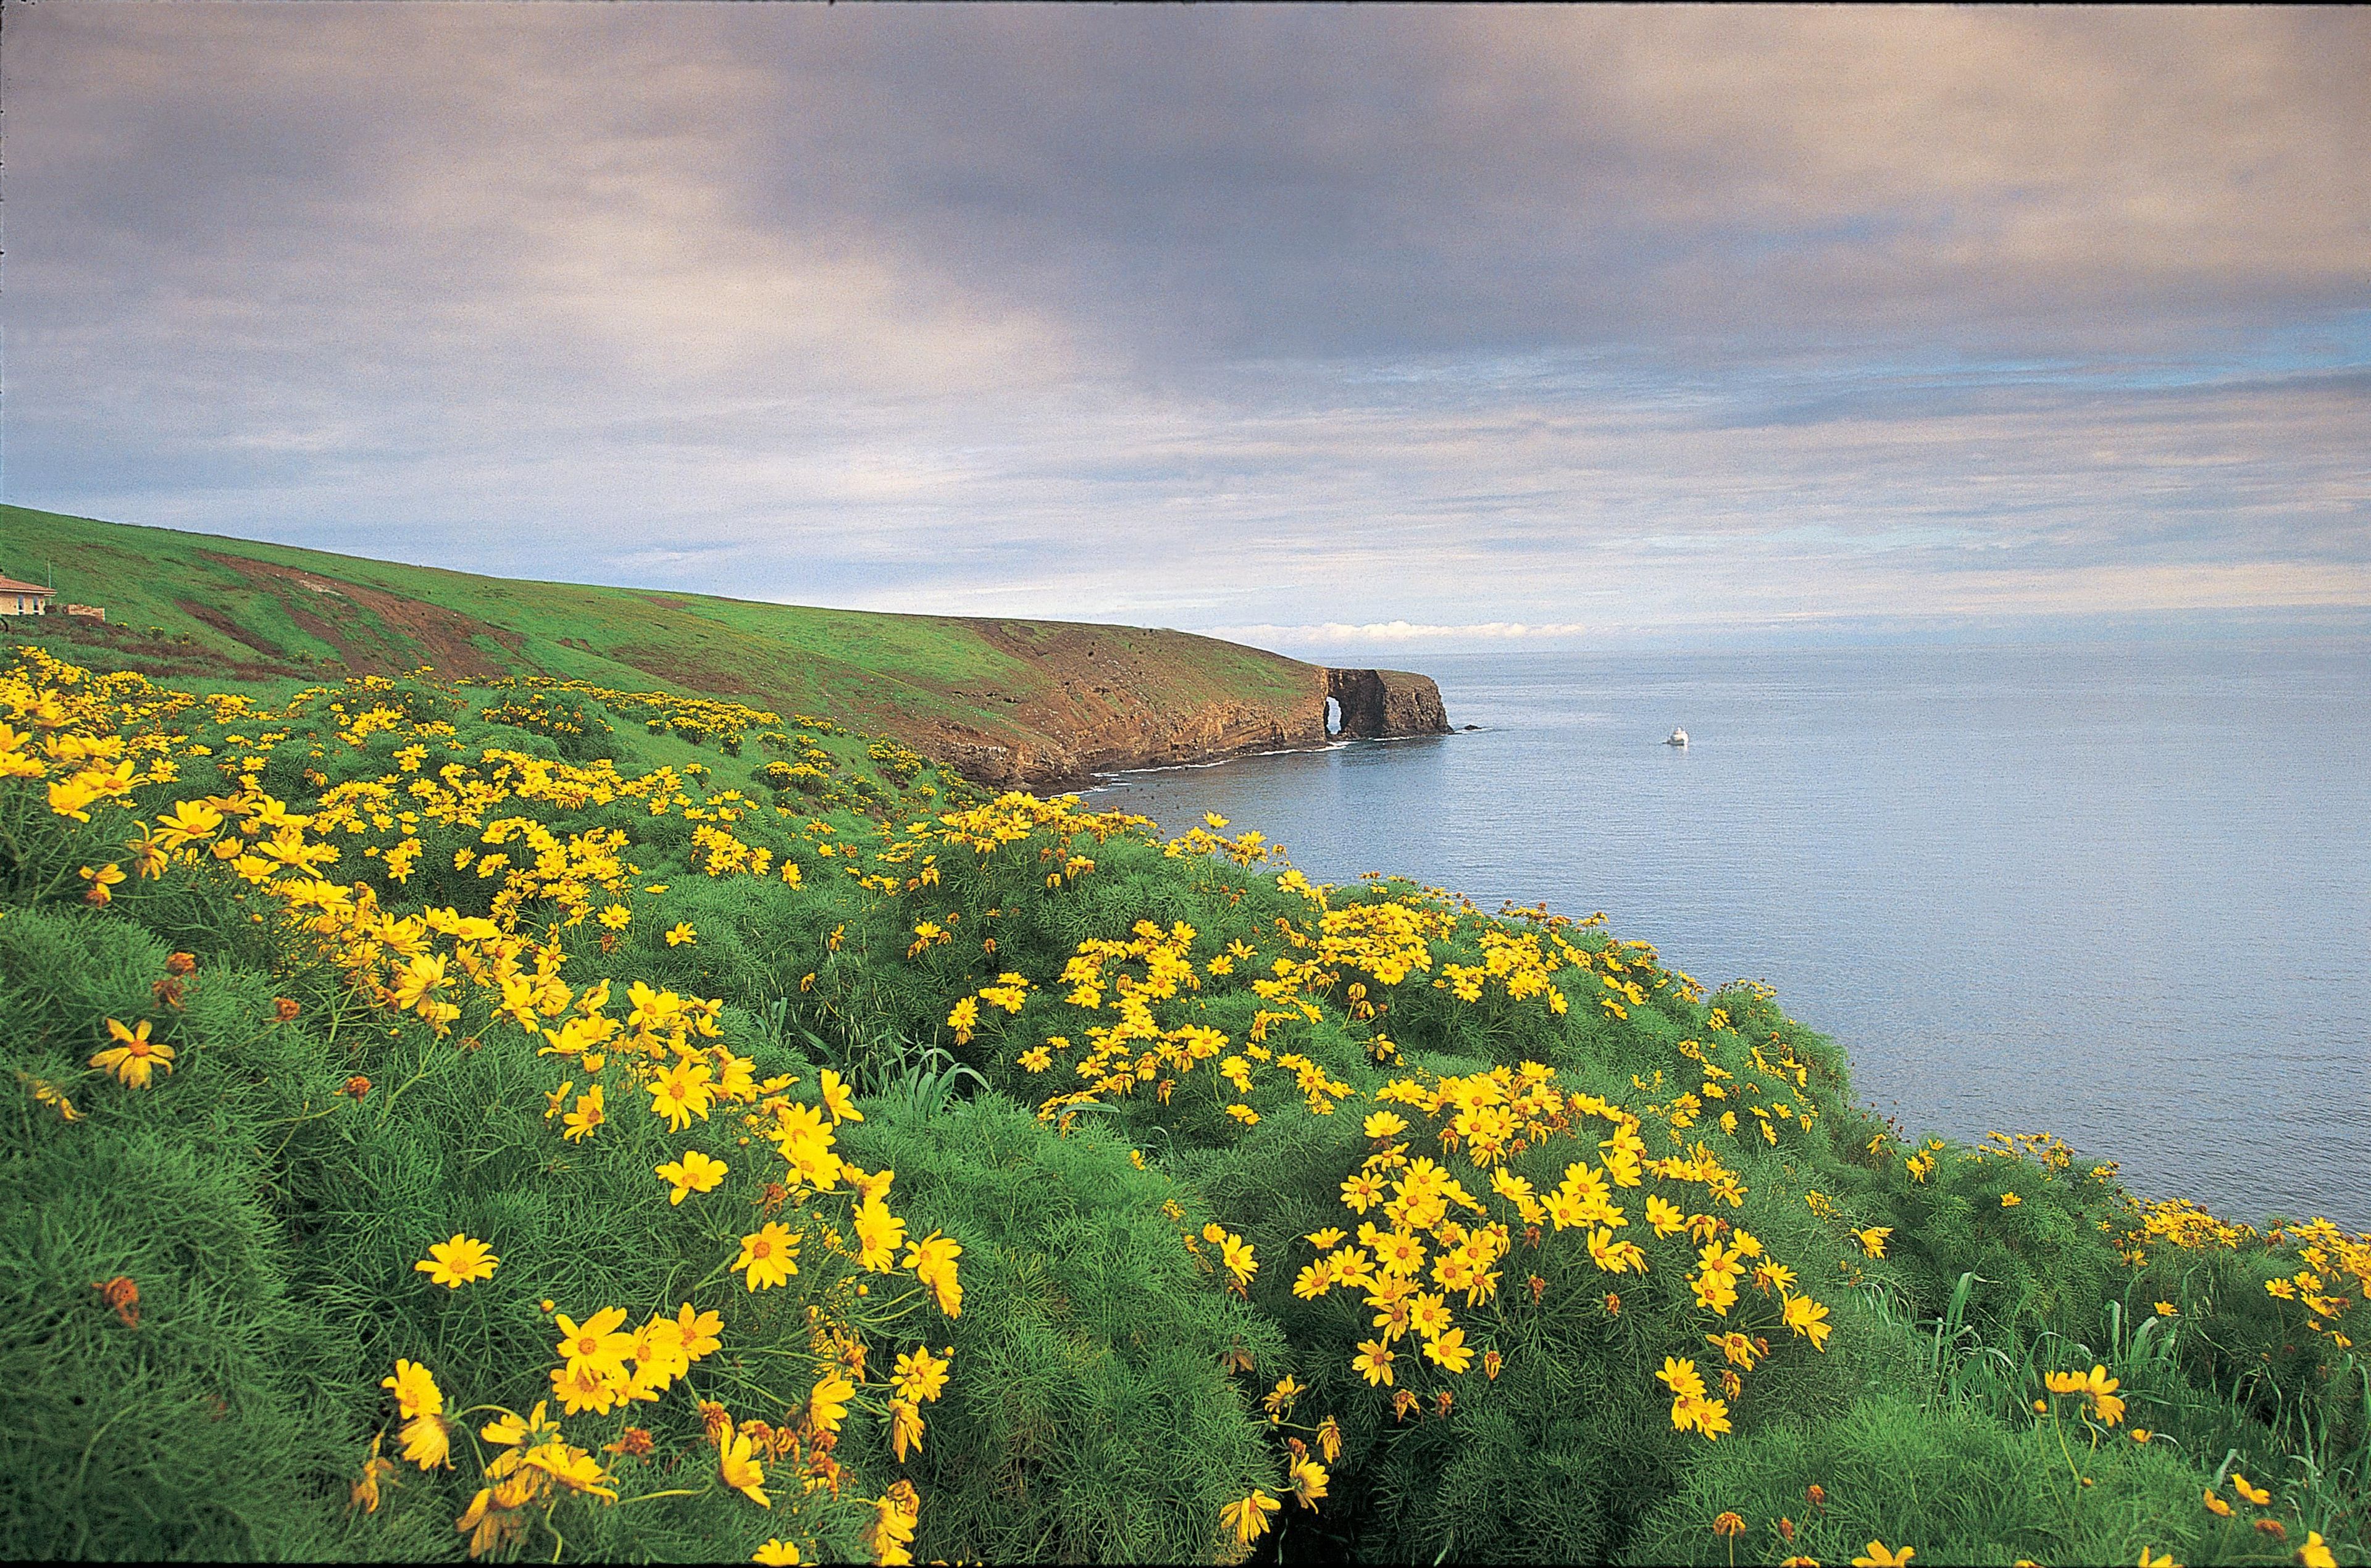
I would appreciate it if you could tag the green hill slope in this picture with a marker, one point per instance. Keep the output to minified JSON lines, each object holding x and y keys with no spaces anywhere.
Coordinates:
{"x":1008,"y":701}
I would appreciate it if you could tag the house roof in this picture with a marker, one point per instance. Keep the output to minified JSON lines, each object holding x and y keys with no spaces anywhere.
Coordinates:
{"x":11,"y":586}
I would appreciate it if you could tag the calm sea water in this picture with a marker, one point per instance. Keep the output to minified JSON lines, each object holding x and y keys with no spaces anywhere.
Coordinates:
{"x":2121,"y":894}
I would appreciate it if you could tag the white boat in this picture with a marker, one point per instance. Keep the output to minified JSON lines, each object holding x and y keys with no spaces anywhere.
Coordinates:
{"x":1679,"y":738}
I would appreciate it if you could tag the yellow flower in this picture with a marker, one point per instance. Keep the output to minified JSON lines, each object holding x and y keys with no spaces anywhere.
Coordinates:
{"x":134,"y":1056}
{"x":2167,"y":1309}
{"x":828,"y":1403}
{"x":776,"y":1553}
{"x":681,"y":1092}
{"x":416,"y":1392}
{"x":2314,"y":1554}
{"x":922,"y":1376}
{"x":1878,"y":1557}
{"x":771,"y":1255}
{"x":1248,"y":1517}
{"x":596,"y":1343}
{"x":2215,"y":1506}
{"x":682,"y":935}
{"x":932,"y":1259}
{"x":1385,"y":1125}
{"x":587,"y":1115}
{"x":1451,"y":1351}
{"x":1872,"y":1241}
{"x":365,"y":1491}
{"x":879,"y":1234}
{"x":2256,"y":1494}
{"x":1309,"y":1478}
{"x":905,"y":1428}
{"x":1809,"y":1318}
{"x":2011,"y":1199}
{"x":1680,"y":1376}
{"x":697,"y":1331}
{"x":838,"y":1100}
{"x":456,"y":1262}
{"x":741,"y":1470}
{"x":695,"y":1172}
{"x":187,"y":823}
{"x":1373,"y":1363}
{"x":428,"y":1441}
{"x":2149,"y":1561}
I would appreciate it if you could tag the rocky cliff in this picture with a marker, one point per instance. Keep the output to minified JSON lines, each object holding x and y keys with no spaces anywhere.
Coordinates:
{"x":1378,"y":704}
{"x":1125,"y":716}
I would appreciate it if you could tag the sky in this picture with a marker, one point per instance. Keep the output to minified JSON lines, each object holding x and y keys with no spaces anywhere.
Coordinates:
{"x":1320,"y":328}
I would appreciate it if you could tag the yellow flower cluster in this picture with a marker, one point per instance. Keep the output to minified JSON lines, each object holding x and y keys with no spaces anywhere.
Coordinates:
{"x":92,"y":741}
{"x":694,"y":716}
{"x":1441,"y":1234}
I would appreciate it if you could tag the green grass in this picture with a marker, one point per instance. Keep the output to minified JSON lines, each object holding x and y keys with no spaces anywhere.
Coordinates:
{"x":912,"y":676}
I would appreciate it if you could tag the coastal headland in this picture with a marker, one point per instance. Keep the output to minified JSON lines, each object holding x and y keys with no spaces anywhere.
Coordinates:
{"x":1011,"y":703}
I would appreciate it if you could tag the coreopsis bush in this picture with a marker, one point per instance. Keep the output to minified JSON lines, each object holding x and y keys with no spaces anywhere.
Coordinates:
{"x":502,"y":1151}
{"x":1949,"y":1485}
{"x":1106,"y":1403}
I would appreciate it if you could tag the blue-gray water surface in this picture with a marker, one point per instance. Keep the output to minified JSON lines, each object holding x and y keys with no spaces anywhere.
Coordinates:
{"x":2121,"y":894}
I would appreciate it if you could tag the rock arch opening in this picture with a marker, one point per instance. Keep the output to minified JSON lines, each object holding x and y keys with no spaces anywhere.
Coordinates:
{"x":1371,"y":704}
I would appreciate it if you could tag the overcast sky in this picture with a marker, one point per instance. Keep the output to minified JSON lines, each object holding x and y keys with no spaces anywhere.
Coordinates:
{"x":1580,"y":328}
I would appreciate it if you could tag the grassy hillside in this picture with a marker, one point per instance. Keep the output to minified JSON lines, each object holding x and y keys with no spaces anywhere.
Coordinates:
{"x":444,"y":1119}
{"x":195,"y":603}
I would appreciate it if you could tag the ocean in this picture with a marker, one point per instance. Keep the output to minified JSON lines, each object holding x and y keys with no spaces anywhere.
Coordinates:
{"x":2121,"y":894}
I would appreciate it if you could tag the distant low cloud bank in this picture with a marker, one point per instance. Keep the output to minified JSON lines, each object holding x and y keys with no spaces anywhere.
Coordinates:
{"x":1340,"y":634}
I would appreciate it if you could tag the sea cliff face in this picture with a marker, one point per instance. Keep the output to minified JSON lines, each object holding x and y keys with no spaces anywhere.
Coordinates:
{"x":1065,"y":736}
{"x":1379,"y":704}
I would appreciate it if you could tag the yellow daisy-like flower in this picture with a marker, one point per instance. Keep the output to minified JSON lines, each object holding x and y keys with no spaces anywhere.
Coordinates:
{"x":776,"y":1553}
{"x":1451,"y":1351}
{"x":595,"y":1343}
{"x":456,"y":1262}
{"x":921,"y":1377}
{"x":134,"y":1056}
{"x":741,"y":1470}
{"x":588,"y":1114}
{"x":416,"y":1392}
{"x":695,"y":1172}
{"x":682,"y":1092}
{"x":838,"y":1100}
{"x":1248,"y":1517}
{"x":828,"y":1403}
{"x":682,"y":936}
{"x":428,"y":1442}
{"x":771,"y":1255}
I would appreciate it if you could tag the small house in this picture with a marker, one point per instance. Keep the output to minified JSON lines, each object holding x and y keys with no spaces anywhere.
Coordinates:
{"x":23,"y":598}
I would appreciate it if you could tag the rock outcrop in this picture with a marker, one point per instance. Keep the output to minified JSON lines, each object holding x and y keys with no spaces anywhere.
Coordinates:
{"x":1118,"y":710}
{"x":1379,"y":704}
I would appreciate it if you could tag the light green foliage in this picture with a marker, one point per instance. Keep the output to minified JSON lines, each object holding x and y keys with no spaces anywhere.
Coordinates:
{"x":1089,"y":1417}
{"x":1953,"y":1484}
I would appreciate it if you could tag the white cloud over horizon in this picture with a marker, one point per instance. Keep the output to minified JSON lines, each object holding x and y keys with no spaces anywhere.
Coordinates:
{"x":1313,"y":323}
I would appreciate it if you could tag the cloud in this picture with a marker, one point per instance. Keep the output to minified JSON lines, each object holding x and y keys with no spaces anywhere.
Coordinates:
{"x":1218,"y":317}
{"x":1337,"y":634}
